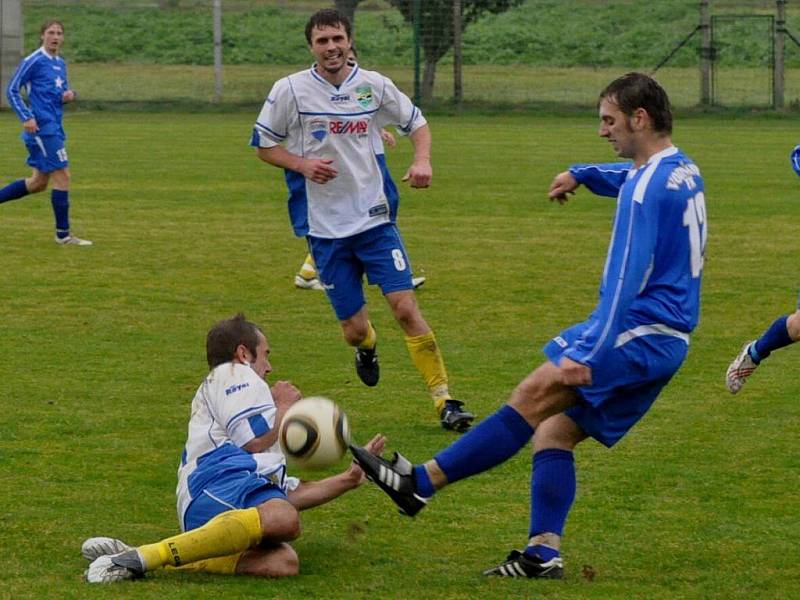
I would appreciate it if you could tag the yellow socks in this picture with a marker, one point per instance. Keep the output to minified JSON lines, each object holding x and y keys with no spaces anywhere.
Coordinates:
{"x":427,"y":357}
{"x":228,"y":533}
{"x":308,"y":270}
{"x":368,"y":343}
{"x":222,"y":565}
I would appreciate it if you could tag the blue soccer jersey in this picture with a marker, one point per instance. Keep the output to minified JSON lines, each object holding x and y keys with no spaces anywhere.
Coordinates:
{"x":44,"y":79}
{"x":651,"y":280}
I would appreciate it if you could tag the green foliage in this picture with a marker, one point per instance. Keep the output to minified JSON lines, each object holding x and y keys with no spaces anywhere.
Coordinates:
{"x":537,"y":32}
{"x":103,"y":349}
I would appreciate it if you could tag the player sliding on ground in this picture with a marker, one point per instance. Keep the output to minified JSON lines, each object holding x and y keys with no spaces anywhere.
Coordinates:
{"x":601,"y":375}
{"x":238,"y":508}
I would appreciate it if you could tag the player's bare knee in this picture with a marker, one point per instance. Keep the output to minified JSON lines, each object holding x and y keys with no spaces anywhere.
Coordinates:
{"x":793,"y":325}
{"x":36,"y":184}
{"x":280,"y":521}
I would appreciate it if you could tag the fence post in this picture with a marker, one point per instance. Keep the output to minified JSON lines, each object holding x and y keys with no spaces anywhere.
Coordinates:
{"x":417,"y":44}
{"x":11,"y":46}
{"x":706,"y":53}
{"x":217,"y":9}
{"x":778,"y":67}
{"x":458,"y":87}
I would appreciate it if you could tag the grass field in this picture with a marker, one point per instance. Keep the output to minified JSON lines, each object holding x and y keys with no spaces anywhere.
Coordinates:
{"x":103,"y":348}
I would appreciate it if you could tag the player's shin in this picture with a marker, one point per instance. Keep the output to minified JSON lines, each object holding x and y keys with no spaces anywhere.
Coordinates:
{"x":427,"y":357}
{"x":553,"y":487}
{"x":493,"y":441}
{"x":221,"y":565}
{"x":13,"y":190}
{"x":228,"y":533}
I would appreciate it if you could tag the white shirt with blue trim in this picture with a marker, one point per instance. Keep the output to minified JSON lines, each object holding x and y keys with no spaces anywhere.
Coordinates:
{"x":231,"y":407}
{"x":313,"y":118}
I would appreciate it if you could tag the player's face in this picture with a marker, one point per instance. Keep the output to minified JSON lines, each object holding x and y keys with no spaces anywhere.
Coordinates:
{"x":330,"y":47}
{"x":616,"y":127}
{"x":260,"y":362}
{"x":52,"y":38}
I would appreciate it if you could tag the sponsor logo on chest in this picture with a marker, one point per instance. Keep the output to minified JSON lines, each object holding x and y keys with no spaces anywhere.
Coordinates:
{"x":321,"y":128}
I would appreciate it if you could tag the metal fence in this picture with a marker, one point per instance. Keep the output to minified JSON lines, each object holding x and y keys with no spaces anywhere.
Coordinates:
{"x":537,"y":53}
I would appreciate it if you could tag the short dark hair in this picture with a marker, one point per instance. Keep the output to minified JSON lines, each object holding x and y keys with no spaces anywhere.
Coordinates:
{"x":637,"y":90}
{"x":227,"y":335}
{"x":47,"y":24}
{"x":328,"y":17}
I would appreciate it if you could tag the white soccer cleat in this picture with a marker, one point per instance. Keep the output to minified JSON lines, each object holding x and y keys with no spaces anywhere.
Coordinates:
{"x":95,"y":547}
{"x":740,"y":369}
{"x":72,"y":240}
{"x":417,"y":282}
{"x":115,"y":567}
{"x":307,"y":284}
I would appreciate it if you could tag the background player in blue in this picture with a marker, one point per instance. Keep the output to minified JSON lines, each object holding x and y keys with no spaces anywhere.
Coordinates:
{"x":236,"y":504}
{"x":43,"y":76}
{"x":783,"y":331}
{"x":321,"y":125}
{"x":603,"y":374}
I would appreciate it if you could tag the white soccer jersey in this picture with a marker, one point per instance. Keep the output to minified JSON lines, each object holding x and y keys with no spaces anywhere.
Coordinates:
{"x":316,"y":119}
{"x":231,"y":407}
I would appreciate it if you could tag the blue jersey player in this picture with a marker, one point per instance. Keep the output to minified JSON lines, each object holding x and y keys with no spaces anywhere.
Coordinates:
{"x":322,"y":126}
{"x":784,"y":331}
{"x":43,"y":78}
{"x":603,"y":374}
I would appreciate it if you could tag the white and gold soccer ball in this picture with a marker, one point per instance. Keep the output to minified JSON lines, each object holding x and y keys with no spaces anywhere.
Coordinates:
{"x":314,"y":433}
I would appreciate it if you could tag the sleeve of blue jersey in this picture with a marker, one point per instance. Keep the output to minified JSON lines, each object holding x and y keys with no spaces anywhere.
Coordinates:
{"x":20,"y":78}
{"x":795,"y":158}
{"x":604,"y":179}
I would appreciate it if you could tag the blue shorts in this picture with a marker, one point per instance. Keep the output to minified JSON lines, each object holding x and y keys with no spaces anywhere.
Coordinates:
{"x":242,"y":489}
{"x":342,"y":263}
{"x":624,"y":385}
{"x":46,"y":153}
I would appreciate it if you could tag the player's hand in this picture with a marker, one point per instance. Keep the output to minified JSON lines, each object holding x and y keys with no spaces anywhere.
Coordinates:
{"x":374,"y":446}
{"x":388,"y":138}
{"x":68,"y":96}
{"x":419,"y":174}
{"x":31,"y":126}
{"x":318,"y":170}
{"x":563,"y":184}
{"x":284,"y":393}
{"x":574,"y":373}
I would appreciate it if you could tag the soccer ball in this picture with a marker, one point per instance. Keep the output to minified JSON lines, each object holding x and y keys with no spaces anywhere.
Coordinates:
{"x":314,"y":433}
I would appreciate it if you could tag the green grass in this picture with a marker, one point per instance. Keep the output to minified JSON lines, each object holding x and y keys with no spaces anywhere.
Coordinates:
{"x":103,"y":348}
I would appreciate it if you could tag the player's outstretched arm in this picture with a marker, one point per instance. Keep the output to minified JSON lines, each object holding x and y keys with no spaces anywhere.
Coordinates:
{"x":563,"y":183}
{"x":318,"y":170}
{"x":314,"y":493}
{"x":420,"y":173}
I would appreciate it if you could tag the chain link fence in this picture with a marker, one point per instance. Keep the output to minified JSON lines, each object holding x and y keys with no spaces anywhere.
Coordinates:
{"x":527,"y":53}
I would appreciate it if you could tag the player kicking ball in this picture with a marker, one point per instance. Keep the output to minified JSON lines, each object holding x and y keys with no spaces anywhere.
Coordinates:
{"x":602,"y":375}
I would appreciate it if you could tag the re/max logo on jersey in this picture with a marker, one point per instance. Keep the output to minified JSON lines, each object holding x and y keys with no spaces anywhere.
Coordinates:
{"x":235,"y":388}
{"x":348,"y":127}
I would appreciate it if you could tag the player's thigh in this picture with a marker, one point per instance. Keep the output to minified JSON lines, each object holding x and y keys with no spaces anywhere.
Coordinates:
{"x":341,"y":274}
{"x":384,"y":257}
{"x":47,"y":153}
{"x":558,"y":431}
{"x":541,"y":394}
{"x":61,"y":178}
{"x":269,"y":560}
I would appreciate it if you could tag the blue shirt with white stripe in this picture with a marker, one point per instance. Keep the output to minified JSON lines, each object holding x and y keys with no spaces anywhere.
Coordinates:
{"x":655,"y":259}
{"x":44,"y":79}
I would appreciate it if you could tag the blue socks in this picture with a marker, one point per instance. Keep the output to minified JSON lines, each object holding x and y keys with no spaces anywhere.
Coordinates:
{"x":13,"y":190}
{"x":60,"y":201}
{"x":777,"y":336}
{"x":553,"y":487}
{"x":494,"y":440}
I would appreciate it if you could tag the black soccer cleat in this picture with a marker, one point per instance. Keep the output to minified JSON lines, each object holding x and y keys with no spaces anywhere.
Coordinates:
{"x":519,"y":564}
{"x":396,"y":478}
{"x":367,"y":367}
{"x":454,"y":417}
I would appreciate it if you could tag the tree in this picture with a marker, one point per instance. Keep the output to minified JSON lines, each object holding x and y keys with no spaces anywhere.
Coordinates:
{"x":436,"y":28}
{"x":347,"y":8}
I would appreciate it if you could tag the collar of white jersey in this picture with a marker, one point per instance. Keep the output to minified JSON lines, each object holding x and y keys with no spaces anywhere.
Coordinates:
{"x":322,"y":80}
